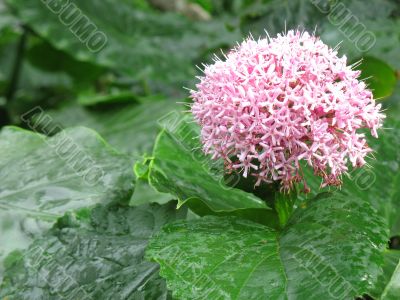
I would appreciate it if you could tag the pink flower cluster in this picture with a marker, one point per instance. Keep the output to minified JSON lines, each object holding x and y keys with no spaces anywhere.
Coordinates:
{"x":275,"y":102}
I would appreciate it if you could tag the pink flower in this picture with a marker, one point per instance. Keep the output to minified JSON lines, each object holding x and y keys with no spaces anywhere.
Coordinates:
{"x":275,"y":102}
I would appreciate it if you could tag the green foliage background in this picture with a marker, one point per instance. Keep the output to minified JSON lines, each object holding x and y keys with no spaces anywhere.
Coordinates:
{"x":85,"y":219}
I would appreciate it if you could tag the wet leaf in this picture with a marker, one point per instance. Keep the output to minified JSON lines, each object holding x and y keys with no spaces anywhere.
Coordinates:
{"x":42,"y":178}
{"x":332,"y":248}
{"x":179,"y":167}
{"x":95,"y":256}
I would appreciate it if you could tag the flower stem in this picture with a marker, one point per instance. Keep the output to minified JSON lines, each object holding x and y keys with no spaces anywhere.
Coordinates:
{"x":16,"y":70}
{"x":284,"y":206}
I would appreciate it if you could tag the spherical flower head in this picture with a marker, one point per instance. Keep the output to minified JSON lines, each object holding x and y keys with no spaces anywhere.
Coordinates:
{"x":273,"y":103}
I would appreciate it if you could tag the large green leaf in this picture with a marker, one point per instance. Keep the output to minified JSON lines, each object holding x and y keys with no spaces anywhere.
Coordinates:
{"x":99,"y":256}
{"x":42,"y":178}
{"x":117,"y":34}
{"x":332,"y":248}
{"x":180,"y":168}
{"x":131,"y":128}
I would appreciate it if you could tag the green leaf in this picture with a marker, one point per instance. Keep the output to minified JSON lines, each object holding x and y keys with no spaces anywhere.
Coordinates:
{"x":180,"y":168}
{"x":118,"y":35}
{"x":144,"y":193}
{"x":7,"y":57}
{"x":206,"y":4}
{"x":44,"y":82}
{"x":141,"y":168}
{"x":265,"y":216}
{"x":330,"y":249}
{"x":42,"y":178}
{"x":81,"y":74}
{"x":393,"y":103}
{"x":99,"y":256}
{"x":131,"y":129}
{"x":114,"y":97}
{"x":379,"y":76}
{"x":392,"y":290}
{"x":388,"y":281}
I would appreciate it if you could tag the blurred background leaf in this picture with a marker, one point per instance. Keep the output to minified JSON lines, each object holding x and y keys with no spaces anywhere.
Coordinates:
{"x":379,"y":76}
